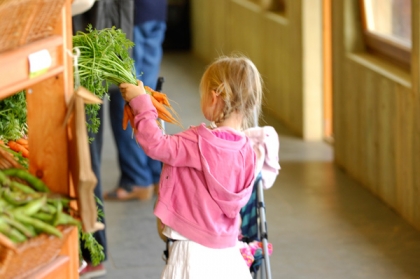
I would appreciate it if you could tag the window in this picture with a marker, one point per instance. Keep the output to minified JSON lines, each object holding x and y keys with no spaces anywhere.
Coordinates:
{"x":387,"y":29}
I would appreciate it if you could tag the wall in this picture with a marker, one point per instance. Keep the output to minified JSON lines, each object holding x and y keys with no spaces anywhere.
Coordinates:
{"x":376,"y":114}
{"x":276,"y":44}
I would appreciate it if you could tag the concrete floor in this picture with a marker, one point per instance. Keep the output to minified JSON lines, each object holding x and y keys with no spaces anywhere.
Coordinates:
{"x":322,"y":224}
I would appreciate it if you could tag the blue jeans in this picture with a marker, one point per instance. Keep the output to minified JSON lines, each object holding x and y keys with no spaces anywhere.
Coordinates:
{"x":147,"y":52}
{"x":136,"y":167}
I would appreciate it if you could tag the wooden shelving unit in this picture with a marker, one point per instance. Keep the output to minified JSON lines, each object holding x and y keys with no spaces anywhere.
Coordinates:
{"x":49,"y":140}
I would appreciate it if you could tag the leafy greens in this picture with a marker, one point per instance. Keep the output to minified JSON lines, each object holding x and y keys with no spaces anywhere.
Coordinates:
{"x":104,"y":60}
{"x":13,"y":114}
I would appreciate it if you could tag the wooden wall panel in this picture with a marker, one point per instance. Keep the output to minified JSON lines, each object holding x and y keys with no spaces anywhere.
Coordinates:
{"x":415,"y":136}
{"x":201,"y":19}
{"x":369,"y":141}
{"x":404,"y":151}
{"x":220,"y":45}
{"x":246,"y":25}
{"x":376,"y":116}
{"x":276,"y":71}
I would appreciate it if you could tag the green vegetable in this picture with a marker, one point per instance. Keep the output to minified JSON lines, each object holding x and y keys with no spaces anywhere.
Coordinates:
{"x":31,"y":207}
{"x":14,"y":185}
{"x":13,"y":114}
{"x":18,"y":198}
{"x":12,"y":233}
{"x":38,"y":224}
{"x":46,"y":217}
{"x":59,"y":211}
{"x":66,"y":219}
{"x":34,"y":181}
{"x":19,"y":226}
{"x":95,"y":249}
{"x":3,"y":178}
{"x":104,"y":60}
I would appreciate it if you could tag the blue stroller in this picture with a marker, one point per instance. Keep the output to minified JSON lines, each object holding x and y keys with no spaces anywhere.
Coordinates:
{"x":254,"y":223}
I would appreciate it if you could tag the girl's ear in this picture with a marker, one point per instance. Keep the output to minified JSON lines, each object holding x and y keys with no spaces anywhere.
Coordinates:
{"x":214,"y":96}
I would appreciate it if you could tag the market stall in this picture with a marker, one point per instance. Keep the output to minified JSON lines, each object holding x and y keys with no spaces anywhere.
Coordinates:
{"x":36,"y":57}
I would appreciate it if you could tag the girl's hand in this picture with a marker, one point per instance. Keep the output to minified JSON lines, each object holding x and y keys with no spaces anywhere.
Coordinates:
{"x":130,"y":91}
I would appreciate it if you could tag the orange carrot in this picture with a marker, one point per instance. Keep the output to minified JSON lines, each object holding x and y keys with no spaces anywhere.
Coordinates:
{"x":18,"y":148}
{"x":131,"y":117}
{"x":163,"y":113}
{"x":1,"y":142}
{"x":159,"y":96}
{"x":125,"y":117}
{"x":128,"y":117}
{"x":22,"y":141}
{"x":160,"y":102}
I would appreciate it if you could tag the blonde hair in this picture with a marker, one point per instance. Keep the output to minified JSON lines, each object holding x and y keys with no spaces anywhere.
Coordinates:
{"x":237,"y":81}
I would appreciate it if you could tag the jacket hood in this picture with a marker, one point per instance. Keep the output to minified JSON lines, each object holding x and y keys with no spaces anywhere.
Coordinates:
{"x":228,"y":163}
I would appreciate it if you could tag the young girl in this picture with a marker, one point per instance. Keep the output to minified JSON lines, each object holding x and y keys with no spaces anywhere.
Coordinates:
{"x":208,"y":172}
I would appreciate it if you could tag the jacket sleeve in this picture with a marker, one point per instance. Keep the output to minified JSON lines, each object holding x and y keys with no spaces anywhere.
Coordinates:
{"x":266,"y":144}
{"x":179,"y":150}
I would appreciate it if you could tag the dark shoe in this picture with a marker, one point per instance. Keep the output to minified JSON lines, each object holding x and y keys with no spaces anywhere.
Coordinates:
{"x":91,"y":271}
{"x":137,"y":192}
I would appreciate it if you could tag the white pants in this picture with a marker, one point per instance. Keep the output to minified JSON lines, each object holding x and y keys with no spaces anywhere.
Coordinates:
{"x":190,"y":260}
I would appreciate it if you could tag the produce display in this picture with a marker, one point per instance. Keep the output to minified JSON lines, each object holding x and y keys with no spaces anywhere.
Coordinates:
{"x":28,"y":208}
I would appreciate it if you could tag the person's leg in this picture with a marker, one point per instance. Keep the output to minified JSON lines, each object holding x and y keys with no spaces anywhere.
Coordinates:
{"x":148,"y":52}
{"x":131,"y":157}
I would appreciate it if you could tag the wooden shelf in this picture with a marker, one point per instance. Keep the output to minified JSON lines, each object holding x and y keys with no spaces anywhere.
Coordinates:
{"x":53,"y":269}
{"x":49,"y":138}
{"x":14,"y":70}
{"x":65,"y":265}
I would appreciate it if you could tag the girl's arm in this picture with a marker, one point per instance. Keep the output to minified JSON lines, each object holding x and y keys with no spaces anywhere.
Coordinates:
{"x":173,"y":150}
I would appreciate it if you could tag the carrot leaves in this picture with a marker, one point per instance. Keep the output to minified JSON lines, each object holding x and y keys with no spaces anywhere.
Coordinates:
{"x":104,"y":60}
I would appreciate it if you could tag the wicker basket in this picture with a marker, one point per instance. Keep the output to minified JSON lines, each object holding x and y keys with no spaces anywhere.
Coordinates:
{"x":25,"y":21}
{"x":31,"y":255}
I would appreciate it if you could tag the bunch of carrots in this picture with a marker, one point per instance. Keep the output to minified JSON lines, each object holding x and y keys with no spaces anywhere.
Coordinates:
{"x":160,"y":102}
{"x":20,"y":145}
{"x":104,"y":60}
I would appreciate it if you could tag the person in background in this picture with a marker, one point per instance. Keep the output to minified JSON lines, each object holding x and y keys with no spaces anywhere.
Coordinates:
{"x":145,"y":20}
{"x":208,"y":172}
{"x":139,"y":172}
{"x":104,"y":14}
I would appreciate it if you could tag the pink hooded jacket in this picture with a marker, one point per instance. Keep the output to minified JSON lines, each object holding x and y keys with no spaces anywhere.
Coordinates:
{"x":206,"y":179}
